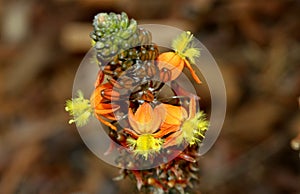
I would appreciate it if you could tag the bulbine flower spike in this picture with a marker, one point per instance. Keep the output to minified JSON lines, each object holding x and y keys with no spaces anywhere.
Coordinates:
{"x":185,"y":52}
{"x":80,"y":108}
{"x":153,"y":120}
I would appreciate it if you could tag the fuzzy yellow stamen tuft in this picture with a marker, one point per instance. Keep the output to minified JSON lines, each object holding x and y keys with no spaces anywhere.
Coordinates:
{"x":80,"y":109}
{"x":193,"y":129}
{"x":184,"y":46}
{"x":145,"y":145}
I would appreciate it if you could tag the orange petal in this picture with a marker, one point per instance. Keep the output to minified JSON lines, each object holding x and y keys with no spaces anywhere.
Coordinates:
{"x":171,"y":61}
{"x":171,"y":140}
{"x":145,"y":119}
{"x":166,"y":56}
{"x":156,"y":121}
{"x":133,"y":122}
{"x":110,"y":94}
{"x":144,"y":113}
{"x":160,"y":109}
{"x":103,"y":108}
{"x":166,"y":130}
{"x":97,"y":100}
{"x":105,"y":122}
{"x":132,"y":133}
{"x":114,"y":83}
{"x":100,"y":78}
{"x":96,"y":96}
{"x":173,"y":114}
{"x":194,"y":75}
{"x":169,"y":127}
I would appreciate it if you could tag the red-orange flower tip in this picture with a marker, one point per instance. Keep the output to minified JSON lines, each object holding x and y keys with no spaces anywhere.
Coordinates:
{"x":185,"y":52}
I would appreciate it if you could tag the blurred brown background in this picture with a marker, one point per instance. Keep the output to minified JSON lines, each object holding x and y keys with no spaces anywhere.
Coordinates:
{"x":255,"y":43}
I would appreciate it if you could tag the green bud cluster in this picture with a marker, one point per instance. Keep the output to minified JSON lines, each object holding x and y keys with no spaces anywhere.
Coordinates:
{"x":114,"y":33}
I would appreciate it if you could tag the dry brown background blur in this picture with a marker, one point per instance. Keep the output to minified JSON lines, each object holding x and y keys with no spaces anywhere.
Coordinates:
{"x":255,"y":43}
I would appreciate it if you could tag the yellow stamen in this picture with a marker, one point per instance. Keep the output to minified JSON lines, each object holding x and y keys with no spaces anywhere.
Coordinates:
{"x":184,"y":46}
{"x":194,"y":128}
{"x":145,"y":145}
{"x":80,"y":109}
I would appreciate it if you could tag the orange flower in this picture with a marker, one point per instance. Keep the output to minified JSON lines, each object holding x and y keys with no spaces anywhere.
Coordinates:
{"x":172,"y":62}
{"x":174,"y":117}
{"x":191,"y":128}
{"x":183,"y":55}
{"x":145,"y":120}
{"x":101,"y":100}
{"x":150,"y":125}
{"x":144,"y":123}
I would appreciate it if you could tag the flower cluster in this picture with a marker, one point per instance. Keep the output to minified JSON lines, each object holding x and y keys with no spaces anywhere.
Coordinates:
{"x":137,"y":97}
